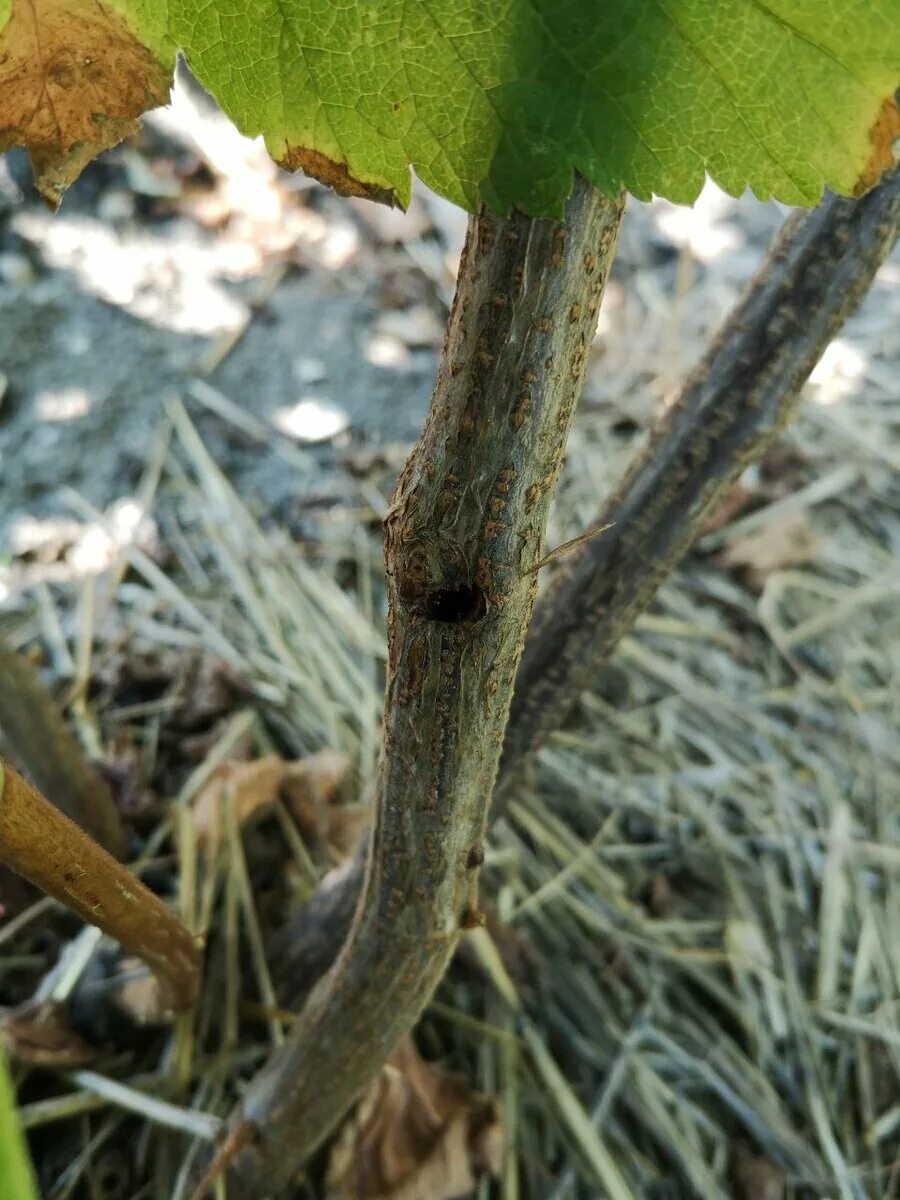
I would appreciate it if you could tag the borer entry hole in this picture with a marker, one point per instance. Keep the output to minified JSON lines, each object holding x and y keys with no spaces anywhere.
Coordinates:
{"x":455,"y":605}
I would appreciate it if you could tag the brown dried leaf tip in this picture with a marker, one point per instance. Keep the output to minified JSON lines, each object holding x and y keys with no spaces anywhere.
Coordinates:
{"x":421,"y":1134}
{"x":38,"y":1034}
{"x":785,"y":542}
{"x":73,"y":81}
{"x":884,"y":139}
{"x":335,"y":175}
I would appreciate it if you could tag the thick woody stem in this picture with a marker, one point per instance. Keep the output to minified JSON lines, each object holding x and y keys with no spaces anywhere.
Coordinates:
{"x":42,"y":742}
{"x":37,"y":841}
{"x":462,"y":536}
{"x":739,"y":397}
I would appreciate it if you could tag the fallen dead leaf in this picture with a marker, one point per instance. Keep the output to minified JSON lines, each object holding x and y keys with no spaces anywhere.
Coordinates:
{"x":246,"y":788}
{"x":39,"y":1033}
{"x":786,"y":542}
{"x":139,"y":995}
{"x":783,"y":469}
{"x":312,"y":791}
{"x":420,"y":1134}
{"x":122,"y":771}
{"x":734,"y":502}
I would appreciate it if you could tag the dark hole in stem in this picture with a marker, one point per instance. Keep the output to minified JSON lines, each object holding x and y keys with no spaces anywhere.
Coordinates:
{"x":455,"y":605}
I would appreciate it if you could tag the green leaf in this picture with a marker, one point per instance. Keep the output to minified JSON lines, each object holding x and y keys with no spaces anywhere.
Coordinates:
{"x":16,"y":1174}
{"x":500,"y":100}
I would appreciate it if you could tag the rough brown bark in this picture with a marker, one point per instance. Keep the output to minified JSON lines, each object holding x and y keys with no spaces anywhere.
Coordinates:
{"x":736,"y":401}
{"x":45,"y":746}
{"x":37,"y":841}
{"x":461,"y":538}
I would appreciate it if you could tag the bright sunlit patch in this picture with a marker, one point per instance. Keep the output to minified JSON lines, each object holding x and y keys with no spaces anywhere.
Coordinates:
{"x":386,"y":350}
{"x":100,"y":545}
{"x":838,"y":372}
{"x":93,"y":552}
{"x":64,"y":404}
{"x":41,"y":536}
{"x":340,"y":244}
{"x":702,"y":228}
{"x":172,"y":279}
{"x":312,"y":420}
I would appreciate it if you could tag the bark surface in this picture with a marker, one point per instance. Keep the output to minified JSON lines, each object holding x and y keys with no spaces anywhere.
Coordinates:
{"x":737,"y":400}
{"x":43,"y":743}
{"x":37,"y":841}
{"x":462,"y":535}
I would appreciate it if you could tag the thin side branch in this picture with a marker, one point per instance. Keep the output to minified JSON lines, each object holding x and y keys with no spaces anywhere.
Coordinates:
{"x":43,"y":743}
{"x":736,"y":402}
{"x":739,"y":397}
{"x":464,"y":530}
{"x":37,"y":841}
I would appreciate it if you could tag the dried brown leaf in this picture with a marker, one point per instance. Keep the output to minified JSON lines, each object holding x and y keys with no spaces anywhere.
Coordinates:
{"x":420,"y":1134}
{"x":73,"y":81}
{"x":39,"y":1033}
{"x":786,"y":542}
{"x":312,"y":789}
{"x":200,"y":687}
{"x":245,"y":788}
{"x":734,"y":502}
{"x":139,"y":995}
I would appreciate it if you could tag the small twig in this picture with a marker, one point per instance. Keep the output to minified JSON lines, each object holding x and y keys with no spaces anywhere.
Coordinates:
{"x":46,"y":747}
{"x":238,"y":1138}
{"x":37,"y":841}
{"x":571,"y":544}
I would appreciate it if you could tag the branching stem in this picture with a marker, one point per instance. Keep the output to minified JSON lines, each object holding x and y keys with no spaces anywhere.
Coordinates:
{"x":39,"y":842}
{"x":465,"y":526}
{"x":739,"y":397}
